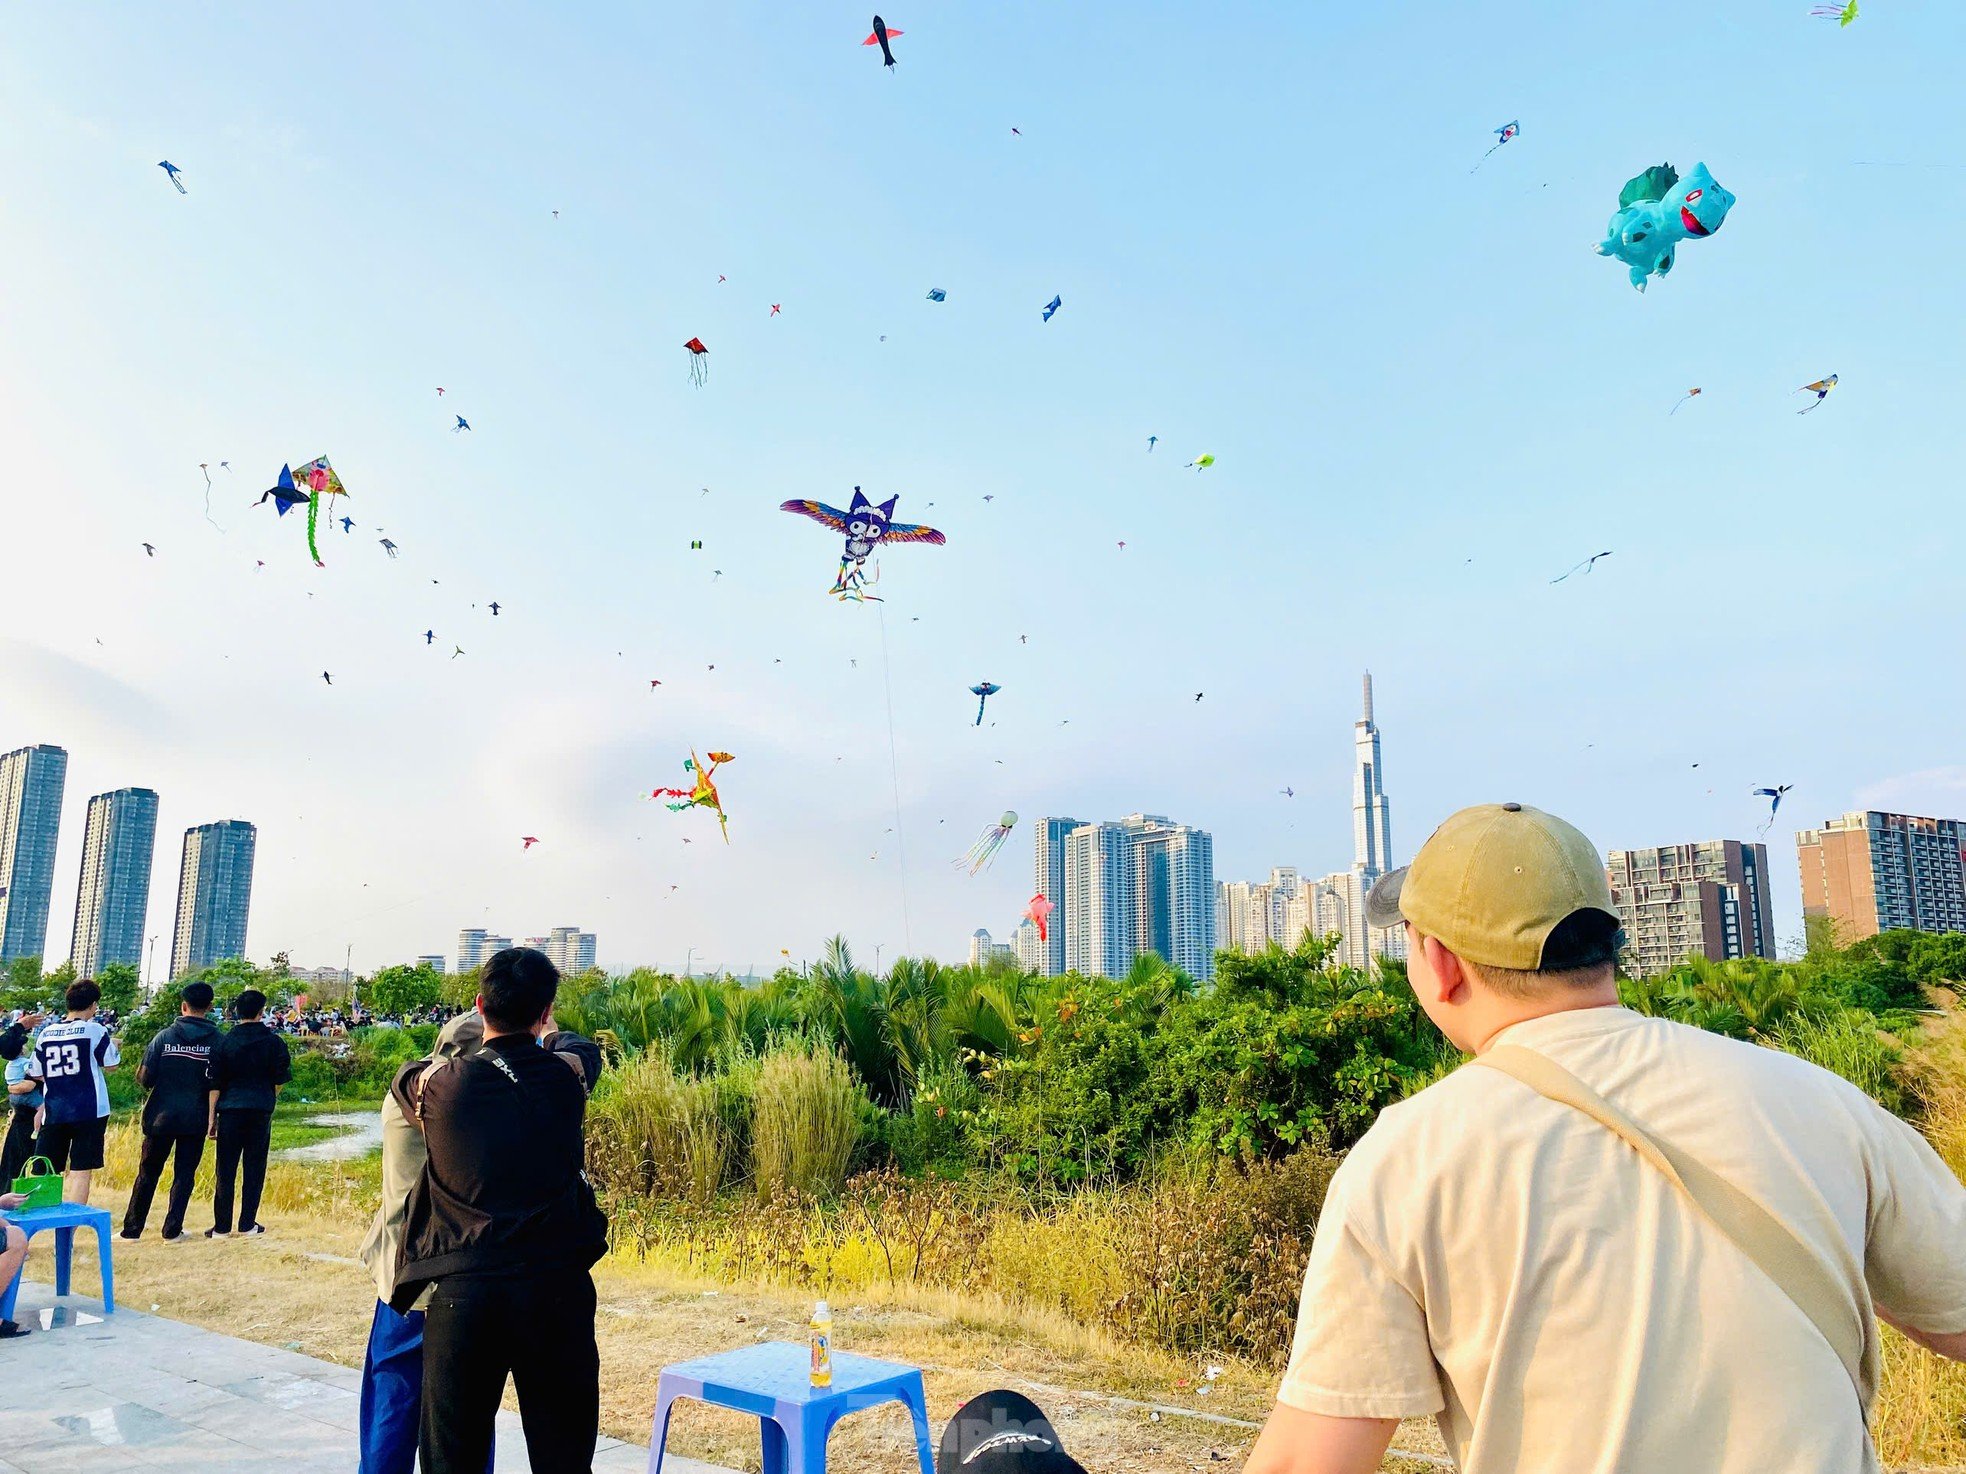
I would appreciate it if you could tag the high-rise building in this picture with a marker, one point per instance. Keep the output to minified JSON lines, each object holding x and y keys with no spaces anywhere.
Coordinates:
{"x":1027,"y":946}
{"x":435,"y":961}
{"x":1871,"y":871}
{"x":31,"y":783}
{"x":214,"y":895}
{"x":1142,"y":885}
{"x":571,"y":949}
{"x":1677,"y":901}
{"x":1372,"y":823}
{"x":983,"y":951}
{"x":118,"y":842}
{"x":1048,"y":880}
{"x":1252,"y":914}
{"x":475,"y":945}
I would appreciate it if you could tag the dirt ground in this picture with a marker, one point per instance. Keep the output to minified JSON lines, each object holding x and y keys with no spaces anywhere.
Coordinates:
{"x":1118,"y":1410}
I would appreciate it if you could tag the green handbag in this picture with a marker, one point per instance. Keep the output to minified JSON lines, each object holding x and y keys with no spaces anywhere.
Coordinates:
{"x":41,"y":1187}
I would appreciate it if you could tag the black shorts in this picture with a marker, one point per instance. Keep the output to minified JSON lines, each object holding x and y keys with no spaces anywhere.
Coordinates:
{"x":72,"y":1146}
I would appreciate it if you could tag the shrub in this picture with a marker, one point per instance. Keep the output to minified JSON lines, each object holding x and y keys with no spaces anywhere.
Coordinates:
{"x":650,"y":1132}
{"x":1848,"y":1042}
{"x":805,"y":1118}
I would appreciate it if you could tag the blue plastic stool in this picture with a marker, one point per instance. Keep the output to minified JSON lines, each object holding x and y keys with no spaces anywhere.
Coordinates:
{"x":773,"y":1383}
{"x":64,"y":1219}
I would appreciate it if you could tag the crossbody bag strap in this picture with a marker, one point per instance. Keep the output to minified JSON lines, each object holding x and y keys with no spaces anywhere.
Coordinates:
{"x":1797,"y":1270}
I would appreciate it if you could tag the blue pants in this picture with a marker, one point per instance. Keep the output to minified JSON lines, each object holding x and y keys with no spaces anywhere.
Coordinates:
{"x":392,"y":1392}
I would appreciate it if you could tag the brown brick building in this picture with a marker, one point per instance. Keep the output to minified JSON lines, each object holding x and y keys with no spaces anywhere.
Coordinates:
{"x":1873,"y":871}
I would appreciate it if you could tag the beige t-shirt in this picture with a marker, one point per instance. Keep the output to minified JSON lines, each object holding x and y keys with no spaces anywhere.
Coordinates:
{"x":1508,"y":1263}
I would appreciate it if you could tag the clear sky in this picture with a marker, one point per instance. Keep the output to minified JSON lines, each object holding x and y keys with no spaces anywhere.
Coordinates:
{"x":1427,"y":396}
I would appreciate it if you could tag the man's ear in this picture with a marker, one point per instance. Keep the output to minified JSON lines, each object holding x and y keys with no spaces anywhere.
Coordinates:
{"x":1450,"y":974}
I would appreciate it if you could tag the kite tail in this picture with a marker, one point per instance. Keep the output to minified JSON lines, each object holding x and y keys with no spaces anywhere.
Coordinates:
{"x":313,"y":514}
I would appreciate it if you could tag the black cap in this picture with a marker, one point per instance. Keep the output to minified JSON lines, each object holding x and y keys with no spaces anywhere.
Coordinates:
{"x":1002,"y":1433}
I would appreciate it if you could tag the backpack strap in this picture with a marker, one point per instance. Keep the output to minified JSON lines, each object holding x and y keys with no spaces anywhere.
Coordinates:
{"x":1816,"y":1289}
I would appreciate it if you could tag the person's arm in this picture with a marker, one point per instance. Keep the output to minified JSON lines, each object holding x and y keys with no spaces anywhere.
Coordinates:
{"x":1949,"y":1344}
{"x":1915,"y":1239}
{"x":108,"y":1056}
{"x":147,"y":1066}
{"x":283,"y":1066}
{"x":1297,"y":1442}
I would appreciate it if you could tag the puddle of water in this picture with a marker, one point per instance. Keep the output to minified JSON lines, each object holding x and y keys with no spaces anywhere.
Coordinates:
{"x":361,"y":1133}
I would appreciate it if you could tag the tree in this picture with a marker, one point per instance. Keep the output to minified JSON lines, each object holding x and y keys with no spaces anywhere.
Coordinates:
{"x":121,"y":986}
{"x":402,"y":990}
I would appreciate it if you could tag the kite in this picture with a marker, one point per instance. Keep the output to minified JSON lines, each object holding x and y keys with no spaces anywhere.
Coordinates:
{"x":774,"y":310}
{"x":1690,"y":394}
{"x":867,"y":526}
{"x":882,"y":35}
{"x":1657,"y":210}
{"x":1774,"y":797}
{"x":328,"y":678}
{"x":149,"y":550}
{"x":1202,"y":462}
{"x":654,"y":684}
{"x":1152,"y":441}
{"x":172,"y":169}
{"x":1502,"y":135}
{"x":320,"y":480}
{"x":696,"y":545}
{"x":347,"y":525}
{"x":388,"y":547}
{"x":1199,"y":695}
{"x":1052,"y":306}
{"x":286,"y":495}
{"x":527,"y":841}
{"x":440,"y":391}
{"x":936,"y":294}
{"x":1820,"y":389}
{"x":982,"y":691}
{"x":1587,"y":565}
{"x":1841,"y":14}
{"x":494,"y":609}
{"x":456,"y":650}
{"x":1037,"y":913}
{"x":429,"y":637}
{"x":1288,"y":792}
{"x":699,"y":361}
{"x":462,"y":424}
{"x":988,"y":843}
{"x":702,"y":792}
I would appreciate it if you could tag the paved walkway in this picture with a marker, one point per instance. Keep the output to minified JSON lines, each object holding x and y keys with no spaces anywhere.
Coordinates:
{"x":88,"y":1392}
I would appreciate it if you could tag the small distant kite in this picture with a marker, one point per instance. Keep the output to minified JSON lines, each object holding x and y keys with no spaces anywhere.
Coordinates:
{"x":527,"y":841}
{"x":494,"y":609}
{"x":1152,"y":441}
{"x":440,"y":391}
{"x":429,"y":637}
{"x":388,"y":547}
{"x":1288,"y":792}
{"x":328,"y":678}
{"x":867,"y":526}
{"x":1199,"y":695}
{"x":1587,"y":565}
{"x":462,"y":424}
{"x":1820,"y":389}
{"x":1038,"y":913}
{"x":1690,"y":394}
{"x":173,"y":171}
{"x":702,"y":792}
{"x":982,"y":691}
{"x":1656,"y":211}
{"x":1841,"y":14}
{"x":1774,"y":797}
{"x":1502,"y":135}
{"x":882,"y":35}
{"x":696,"y":545}
{"x":936,"y":294}
{"x":654,"y":684}
{"x":988,"y":843}
{"x":1052,"y":306}
{"x":1202,"y":462}
{"x":149,"y":550}
{"x":774,"y":310}
{"x":347,"y":525}
{"x":699,"y":361}
{"x":456,"y":650}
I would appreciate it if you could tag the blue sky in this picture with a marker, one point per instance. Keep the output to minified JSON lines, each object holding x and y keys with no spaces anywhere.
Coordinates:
{"x":1426,"y":394}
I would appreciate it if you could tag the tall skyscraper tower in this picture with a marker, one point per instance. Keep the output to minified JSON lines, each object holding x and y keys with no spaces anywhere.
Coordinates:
{"x":214,"y":895}
{"x":1372,"y":825}
{"x":1048,"y":880}
{"x":1142,"y":885}
{"x":110,"y":903}
{"x":31,"y":783}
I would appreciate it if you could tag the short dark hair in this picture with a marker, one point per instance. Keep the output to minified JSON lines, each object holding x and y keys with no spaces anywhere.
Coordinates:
{"x":516,"y":987}
{"x":1577,"y":953}
{"x":82,"y":995}
{"x":197,"y":996}
{"x":249,"y":1005}
{"x":12,"y":1045}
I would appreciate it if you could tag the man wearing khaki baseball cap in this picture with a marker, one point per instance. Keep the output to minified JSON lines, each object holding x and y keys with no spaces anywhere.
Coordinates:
{"x":1612,"y":1242}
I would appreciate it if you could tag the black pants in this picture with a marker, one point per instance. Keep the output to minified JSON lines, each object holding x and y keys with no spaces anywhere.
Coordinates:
{"x":241,"y":1135}
{"x":539,"y":1328}
{"x":184,"y":1151}
{"x":19,"y":1145}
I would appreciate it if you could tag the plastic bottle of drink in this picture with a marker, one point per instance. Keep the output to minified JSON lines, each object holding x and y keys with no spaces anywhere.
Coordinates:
{"x":822,"y":1345}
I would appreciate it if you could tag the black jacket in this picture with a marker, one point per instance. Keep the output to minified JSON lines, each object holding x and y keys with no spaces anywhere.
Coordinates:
{"x":247,"y":1063}
{"x":505,"y":1189}
{"x":174,"y":1069}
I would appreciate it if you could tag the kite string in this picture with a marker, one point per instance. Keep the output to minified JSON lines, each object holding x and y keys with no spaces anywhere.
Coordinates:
{"x":894,"y":771}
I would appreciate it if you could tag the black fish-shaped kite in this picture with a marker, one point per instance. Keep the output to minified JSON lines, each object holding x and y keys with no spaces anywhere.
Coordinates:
{"x":880,"y":39}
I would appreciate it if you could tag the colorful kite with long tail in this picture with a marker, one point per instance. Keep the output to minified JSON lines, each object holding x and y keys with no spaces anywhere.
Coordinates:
{"x":1502,"y":135}
{"x":983,"y":691}
{"x":988,"y":843}
{"x":702,"y":792}
{"x":867,"y":526}
{"x":319,"y":478}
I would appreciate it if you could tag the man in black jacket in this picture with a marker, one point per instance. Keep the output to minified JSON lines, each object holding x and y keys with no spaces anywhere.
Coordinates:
{"x":175,"y":1114}
{"x":249,"y":1065}
{"x":505,"y":1225}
